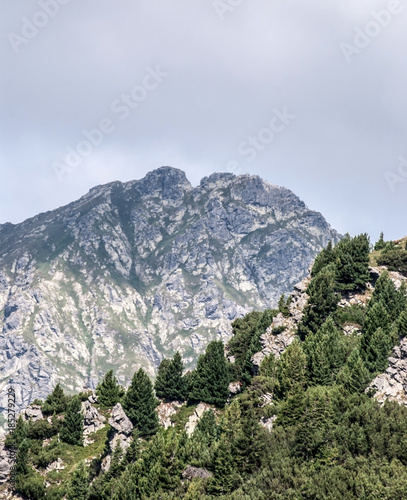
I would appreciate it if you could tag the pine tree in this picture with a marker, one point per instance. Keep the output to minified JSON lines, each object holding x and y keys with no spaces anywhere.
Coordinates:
{"x":109,"y":391}
{"x":79,"y":484}
{"x":326,"y":353}
{"x":225,"y":476}
{"x":378,"y":351}
{"x":56,"y":402}
{"x":72,"y":428}
{"x":211,"y":377}
{"x":324,"y":258}
{"x":376,"y":317}
{"x":21,"y":464}
{"x":170,"y":383}
{"x":354,"y":376}
{"x":140,"y":404}
{"x":380,"y":244}
{"x":352,"y":262}
{"x":291,"y":370}
{"x":322,"y":301}
{"x":283,"y":306}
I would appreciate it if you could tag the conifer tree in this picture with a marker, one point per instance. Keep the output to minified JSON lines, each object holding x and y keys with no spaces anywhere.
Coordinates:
{"x":352,"y":262}
{"x":211,"y":377}
{"x":140,"y":404}
{"x":291,"y":370}
{"x":21,"y":464}
{"x":170,"y":383}
{"x":324,"y":258}
{"x":354,"y":376}
{"x":225,"y":477}
{"x":56,"y":402}
{"x":109,"y":391}
{"x":380,"y":244}
{"x":72,"y":428}
{"x":377,"y":351}
{"x":322,"y":301}
{"x":376,"y":317}
{"x":79,"y":484}
{"x":326,"y":353}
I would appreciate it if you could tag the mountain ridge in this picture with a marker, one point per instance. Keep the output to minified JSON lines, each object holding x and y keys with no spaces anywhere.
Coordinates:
{"x":133,"y":271}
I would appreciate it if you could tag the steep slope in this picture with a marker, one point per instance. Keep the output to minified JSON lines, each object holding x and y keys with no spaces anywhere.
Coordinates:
{"x":134,"y":271}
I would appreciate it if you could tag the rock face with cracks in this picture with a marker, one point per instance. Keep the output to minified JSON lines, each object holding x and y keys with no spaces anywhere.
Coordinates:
{"x":134,"y":271}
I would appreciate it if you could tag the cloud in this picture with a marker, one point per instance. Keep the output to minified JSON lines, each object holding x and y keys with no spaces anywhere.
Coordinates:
{"x":225,"y":79}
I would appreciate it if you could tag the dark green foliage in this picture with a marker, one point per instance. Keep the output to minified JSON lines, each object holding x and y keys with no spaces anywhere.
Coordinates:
{"x":79,"y":484}
{"x":170,"y":383}
{"x":72,"y":428}
{"x":109,"y":391}
{"x":211,"y":377}
{"x":321,"y":303}
{"x":21,"y":465}
{"x":324,"y":258}
{"x":207,"y":426}
{"x":55,"y":402}
{"x":394,"y":260}
{"x":291,"y":371}
{"x":140,"y":404}
{"x":326,"y":353}
{"x":352,"y":262}
{"x":354,"y":376}
{"x":41,"y":429}
{"x":283,"y":305}
{"x":31,"y":486}
{"x":20,"y":433}
{"x":380,"y":243}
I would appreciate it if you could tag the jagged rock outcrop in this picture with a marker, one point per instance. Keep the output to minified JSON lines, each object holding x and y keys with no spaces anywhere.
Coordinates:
{"x":392,"y":385}
{"x":4,"y":463}
{"x":92,"y":419}
{"x":122,"y":433}
{"x":196,"y":417}
{"x":33,"y":413}
{"x":196,"y":472}
{"x":281,"y":333}
{"x":166,"y":411}
{"x":134,"y":271}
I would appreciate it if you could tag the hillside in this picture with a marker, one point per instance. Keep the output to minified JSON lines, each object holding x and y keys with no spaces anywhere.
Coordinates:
{"x":297,"y":408}
{"x":134,"y":271}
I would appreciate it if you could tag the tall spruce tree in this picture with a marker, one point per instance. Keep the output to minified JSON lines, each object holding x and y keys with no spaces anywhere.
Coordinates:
{"x":170,"y":383}
{"x":325,"y":257}
{"x":291,"y":370}
{"x":211,"y":377}
{"x":72,"y":428}
{"x":322,"y":301}
{"x":140,"y":404}
{"x":109,"y":391}
{"x":56,"y":402}
{"x":78,"y":488}
{"x":352,"y":262}
{"x":354,"y":376}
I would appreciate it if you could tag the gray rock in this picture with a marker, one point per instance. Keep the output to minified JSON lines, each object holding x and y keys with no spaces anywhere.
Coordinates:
{"x":92,"y":419}
{"x":154,"y":265}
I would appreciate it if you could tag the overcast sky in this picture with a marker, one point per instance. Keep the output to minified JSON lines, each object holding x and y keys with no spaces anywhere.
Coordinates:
{"x":310,"y":95}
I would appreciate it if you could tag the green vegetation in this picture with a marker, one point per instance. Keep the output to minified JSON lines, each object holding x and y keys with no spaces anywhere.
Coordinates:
{"x":330,"y":438}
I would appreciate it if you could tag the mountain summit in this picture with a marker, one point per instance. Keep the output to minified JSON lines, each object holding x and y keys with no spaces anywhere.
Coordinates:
{"x":134,"y":271}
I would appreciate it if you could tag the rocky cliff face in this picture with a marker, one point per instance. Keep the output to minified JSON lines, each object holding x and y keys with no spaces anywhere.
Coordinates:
{"x":133,"y":271}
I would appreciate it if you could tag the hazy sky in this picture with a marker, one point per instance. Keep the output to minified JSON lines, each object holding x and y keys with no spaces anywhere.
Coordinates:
{"x":310,"y":94}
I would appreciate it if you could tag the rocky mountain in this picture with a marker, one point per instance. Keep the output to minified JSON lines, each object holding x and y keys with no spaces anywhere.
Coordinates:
{"x":133,"y":271}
